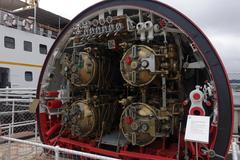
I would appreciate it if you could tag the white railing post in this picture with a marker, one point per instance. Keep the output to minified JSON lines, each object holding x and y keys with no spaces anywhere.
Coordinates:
{"x":56,"y":150}
{"x":13,"y":116}
{"x":235,"y":149}
{"x":9,"y":142}
{"x":35,"y":133}
{"x":7,"y":95}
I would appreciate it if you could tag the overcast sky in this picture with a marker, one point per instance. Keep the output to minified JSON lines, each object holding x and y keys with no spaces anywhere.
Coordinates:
{"x":219,"y":19}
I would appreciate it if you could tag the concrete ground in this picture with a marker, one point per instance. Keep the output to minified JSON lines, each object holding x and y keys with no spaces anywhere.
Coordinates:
{"x":17,"y":151}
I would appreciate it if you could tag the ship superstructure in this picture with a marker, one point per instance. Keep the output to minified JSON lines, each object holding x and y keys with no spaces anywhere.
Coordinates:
{"x":26,"y":34}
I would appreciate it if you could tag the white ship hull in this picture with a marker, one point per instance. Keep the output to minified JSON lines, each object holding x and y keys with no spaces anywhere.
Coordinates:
{"x":15,"y":62}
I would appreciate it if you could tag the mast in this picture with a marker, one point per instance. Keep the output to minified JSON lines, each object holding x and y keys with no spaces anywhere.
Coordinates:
{"x":34,"y":4}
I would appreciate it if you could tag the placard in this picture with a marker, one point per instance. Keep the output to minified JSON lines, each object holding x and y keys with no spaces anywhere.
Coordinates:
{"x":197,"y":129}
{"x":34,"y":105}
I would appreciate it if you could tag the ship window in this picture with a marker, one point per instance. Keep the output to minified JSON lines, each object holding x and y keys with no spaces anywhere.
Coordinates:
{"x":28,"y":76}
{"x":28,"y":46}
{"x":9,"y":42}
{"x":43,"y":49}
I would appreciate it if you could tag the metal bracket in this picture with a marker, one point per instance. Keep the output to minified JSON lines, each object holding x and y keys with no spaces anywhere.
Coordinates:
{"x":194,"y":65}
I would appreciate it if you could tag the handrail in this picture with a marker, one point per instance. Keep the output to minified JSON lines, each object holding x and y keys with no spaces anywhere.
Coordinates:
{"x":25,"y":24}
{"x":17,"y":89}
{"x":16,"y":100}
{"x":58,"y":149}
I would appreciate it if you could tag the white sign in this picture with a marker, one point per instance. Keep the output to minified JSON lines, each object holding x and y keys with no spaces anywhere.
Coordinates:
{"x":197,"y":129}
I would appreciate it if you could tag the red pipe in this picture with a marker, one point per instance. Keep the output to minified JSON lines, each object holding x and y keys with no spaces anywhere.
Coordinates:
{"x":52,"y":94}
{"x":53,"y":129}
{"x":126,"y":154}
{"x":54,"y":104}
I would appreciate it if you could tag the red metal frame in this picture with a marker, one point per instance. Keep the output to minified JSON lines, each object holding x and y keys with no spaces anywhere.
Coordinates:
{"x":90,"y":146}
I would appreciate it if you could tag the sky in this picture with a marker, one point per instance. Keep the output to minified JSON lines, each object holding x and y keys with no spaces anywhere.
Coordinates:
{"x":219,"y":20}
